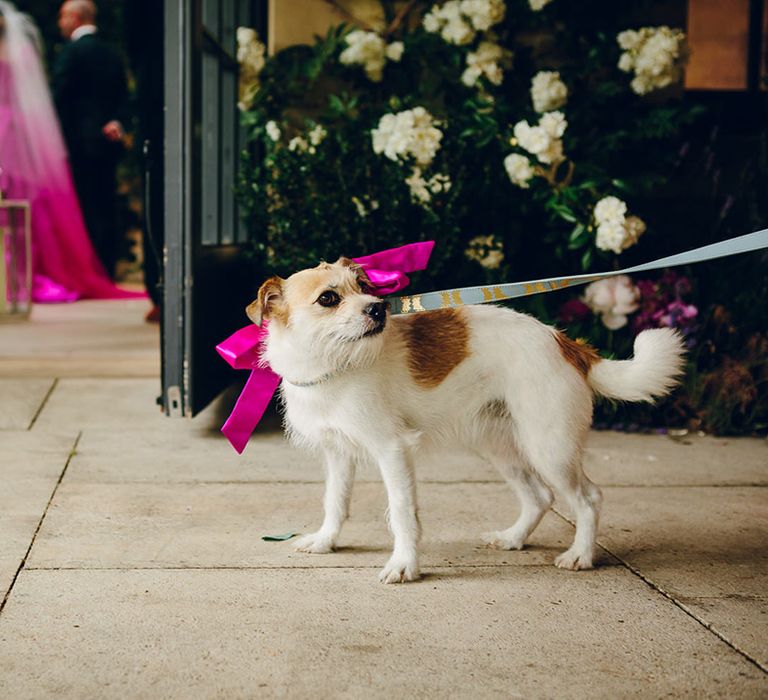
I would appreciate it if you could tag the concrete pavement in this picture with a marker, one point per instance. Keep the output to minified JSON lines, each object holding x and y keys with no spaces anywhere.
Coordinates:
{"x":132,"y":564}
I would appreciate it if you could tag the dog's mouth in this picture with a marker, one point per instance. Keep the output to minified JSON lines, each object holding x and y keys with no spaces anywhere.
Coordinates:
{"x":375,"y":330}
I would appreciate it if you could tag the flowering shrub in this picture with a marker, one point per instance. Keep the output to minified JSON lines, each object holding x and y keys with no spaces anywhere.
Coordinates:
{"x":510,"y":132}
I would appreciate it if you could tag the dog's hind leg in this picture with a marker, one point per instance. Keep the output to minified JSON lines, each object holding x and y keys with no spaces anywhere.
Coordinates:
{"x":340,"y":472}
{"x":554,"y":453}
{"x":535,"y":500}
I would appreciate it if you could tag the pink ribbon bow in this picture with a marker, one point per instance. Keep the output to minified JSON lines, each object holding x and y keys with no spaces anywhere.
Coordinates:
{"x":242,"y":350}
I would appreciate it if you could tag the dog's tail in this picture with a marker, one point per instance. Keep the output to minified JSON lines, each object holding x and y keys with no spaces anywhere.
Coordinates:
{"x":652,"y":372}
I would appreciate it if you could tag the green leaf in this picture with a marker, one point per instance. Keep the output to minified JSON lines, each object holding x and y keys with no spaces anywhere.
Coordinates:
{"x":278,"y":538}
{"x":579,"y":237}
{"x":586,"y":259}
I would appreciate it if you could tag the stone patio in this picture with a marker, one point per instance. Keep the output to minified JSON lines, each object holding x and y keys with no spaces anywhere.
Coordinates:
{"x":132,"y":564}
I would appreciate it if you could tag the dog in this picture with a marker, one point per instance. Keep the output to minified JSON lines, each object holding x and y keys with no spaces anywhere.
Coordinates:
{"x":360,"y":384}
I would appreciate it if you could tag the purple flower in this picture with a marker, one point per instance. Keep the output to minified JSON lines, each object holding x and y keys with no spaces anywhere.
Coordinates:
{"x":573,"y":310}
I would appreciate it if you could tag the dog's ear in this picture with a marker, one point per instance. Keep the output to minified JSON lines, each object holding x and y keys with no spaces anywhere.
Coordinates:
{"x":362,"y":279}
{"x":269,"y":297}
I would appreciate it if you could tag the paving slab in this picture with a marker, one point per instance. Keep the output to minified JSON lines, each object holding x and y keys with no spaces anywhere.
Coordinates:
{"x":221,"y":525}
{"x":625,"y":459}
{"x":20,"y":400}
{"x":116,"y":404}
{"x":528,"y":632}
{"x":29,"y":471}
{"x":707,"y":547}
{"x":205,"y":456}
{"x":88,"y":338}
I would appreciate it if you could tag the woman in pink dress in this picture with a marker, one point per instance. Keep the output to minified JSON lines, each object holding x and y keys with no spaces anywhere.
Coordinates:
{"x":34,"y":166}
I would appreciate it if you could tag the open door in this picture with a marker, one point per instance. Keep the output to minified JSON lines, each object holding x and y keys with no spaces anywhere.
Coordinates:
{"x":207,"y":275}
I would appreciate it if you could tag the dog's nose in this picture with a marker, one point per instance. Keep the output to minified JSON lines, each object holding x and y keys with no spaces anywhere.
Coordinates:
{"x":377,"y":310}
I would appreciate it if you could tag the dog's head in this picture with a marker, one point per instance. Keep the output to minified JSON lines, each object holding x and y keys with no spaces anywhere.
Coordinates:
{"x":326,"y":315}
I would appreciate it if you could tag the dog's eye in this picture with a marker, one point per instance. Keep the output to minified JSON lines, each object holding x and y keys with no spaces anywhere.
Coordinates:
{"x":365,"y":288}
{"x":329,"y":298}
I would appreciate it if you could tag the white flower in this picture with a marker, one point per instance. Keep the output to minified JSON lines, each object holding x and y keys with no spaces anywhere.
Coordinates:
{"x":548,"y":92}
{"x":554,"y":123}
{"x":613,"y":299}
{"x":411,"y":133}
{"x":629,"y":40}
{"x":370,"y":51}
{"x":273,"y":130}
{"x":299,"y":143}
{"x":483,"y":14}
{"x":317,"y":135}
{"x":458,"y":32}
{"x":610,"y":210}
{"x":422,"y":190}
{"x":543,"y":140}
{"x":394,"y":51}
{"x":486,"y":250}
{"x":418,"y":185}
{"x":657,"y":56}
{"x":432,"y":21}
{"x":458,"y":21}
{"x":538,"y":5}
{"x":519,"y":169}
{"x":615,"y":230}
{"x":250,"y":57}
{"x":489,"y":60}
{"x":439,"y":183}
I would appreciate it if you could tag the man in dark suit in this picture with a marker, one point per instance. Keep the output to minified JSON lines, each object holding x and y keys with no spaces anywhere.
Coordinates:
{"x":90,"y":92}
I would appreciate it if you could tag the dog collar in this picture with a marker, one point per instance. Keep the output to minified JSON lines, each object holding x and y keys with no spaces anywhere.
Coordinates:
{"x":320,"y":380}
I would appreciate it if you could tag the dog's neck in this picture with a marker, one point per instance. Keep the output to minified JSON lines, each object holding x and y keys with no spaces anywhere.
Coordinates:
{"x":314,"y":382}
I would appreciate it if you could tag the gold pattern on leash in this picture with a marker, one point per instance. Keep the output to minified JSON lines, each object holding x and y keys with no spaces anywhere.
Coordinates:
{"x":411,"y":303}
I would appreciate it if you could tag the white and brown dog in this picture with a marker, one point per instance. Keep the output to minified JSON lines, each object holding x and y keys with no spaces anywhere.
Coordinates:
{"x":358,"y":384}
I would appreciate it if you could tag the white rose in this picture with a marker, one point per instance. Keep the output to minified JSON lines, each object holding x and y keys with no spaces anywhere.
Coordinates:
{"x":431,"y":22}
{"x":395,"y":50}
{"x":298,"y":143}
{"x":610,"y":236}
{"x":519,"y":169}
{"x":628,"y":39}
{"x":458,"y":32}
{"x":610,"y":209}
{"x":554,"y":123}
{"x":486,"y":250}
{"x":418,"y":186}
{"x":655,"y":54}
{"x":548,"y":91}
{"x":613,"y":299}
{"x":317,"y":135}
{"x":483,"y":13}
{"x":273,"y":130}
{"x":538,"y":5}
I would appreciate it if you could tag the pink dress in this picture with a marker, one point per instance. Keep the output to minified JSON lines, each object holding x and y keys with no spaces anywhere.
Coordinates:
{"x":34,"y":167}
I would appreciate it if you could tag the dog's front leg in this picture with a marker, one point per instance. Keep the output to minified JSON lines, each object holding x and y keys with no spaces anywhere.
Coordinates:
{"x":339,"y":474}
{"x":398,"y":476}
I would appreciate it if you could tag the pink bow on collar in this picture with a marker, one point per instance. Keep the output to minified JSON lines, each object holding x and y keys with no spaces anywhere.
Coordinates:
{"x":242,"y":350}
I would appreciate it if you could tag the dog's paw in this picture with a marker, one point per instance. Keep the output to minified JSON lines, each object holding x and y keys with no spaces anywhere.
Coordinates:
{"x":574,"y":560}
{"x":316,"y":543}
{"x":400,"y":570}
{"x":500,"y":540}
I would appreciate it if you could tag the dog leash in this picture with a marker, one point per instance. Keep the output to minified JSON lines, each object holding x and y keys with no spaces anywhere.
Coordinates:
{"x":462,"y":296}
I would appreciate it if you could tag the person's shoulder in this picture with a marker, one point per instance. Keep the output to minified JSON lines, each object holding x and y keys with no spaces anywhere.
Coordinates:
{"x":93,"y":45}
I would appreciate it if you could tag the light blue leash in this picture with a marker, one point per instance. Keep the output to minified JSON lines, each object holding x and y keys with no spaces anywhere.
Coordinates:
{"x":451,"y":298}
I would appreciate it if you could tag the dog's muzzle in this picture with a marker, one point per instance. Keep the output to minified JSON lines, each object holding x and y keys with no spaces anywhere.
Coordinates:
{"x":377,"y":312}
